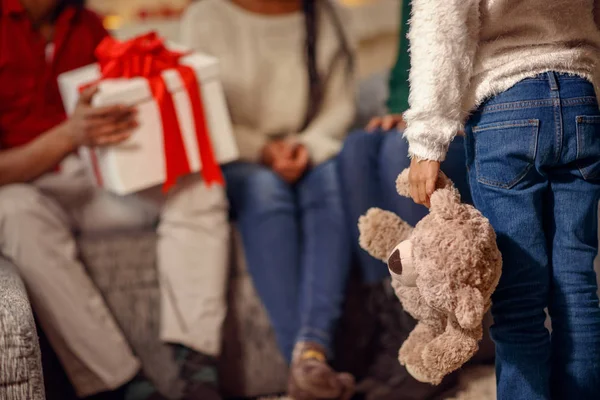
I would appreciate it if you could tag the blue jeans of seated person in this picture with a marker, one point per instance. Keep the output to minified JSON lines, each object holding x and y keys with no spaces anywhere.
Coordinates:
{"x":369,"y":165}
{"x":533,"y":155}
{"x":295,"y":239}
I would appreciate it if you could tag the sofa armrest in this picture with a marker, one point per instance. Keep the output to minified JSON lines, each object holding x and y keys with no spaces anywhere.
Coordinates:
{"x":21,"y":375}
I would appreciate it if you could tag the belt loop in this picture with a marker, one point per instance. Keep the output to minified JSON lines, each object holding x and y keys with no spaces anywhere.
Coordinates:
{"x":553,"y":81}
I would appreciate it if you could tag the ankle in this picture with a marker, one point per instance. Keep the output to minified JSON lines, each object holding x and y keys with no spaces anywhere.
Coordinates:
{"x":309,"y":351}
{"x":199,"y":373}
{"x":141,"y":388}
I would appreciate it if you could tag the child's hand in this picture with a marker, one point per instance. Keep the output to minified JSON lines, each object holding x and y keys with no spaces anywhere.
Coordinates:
{"x":387,"y":123}
{"x":422,"y":178}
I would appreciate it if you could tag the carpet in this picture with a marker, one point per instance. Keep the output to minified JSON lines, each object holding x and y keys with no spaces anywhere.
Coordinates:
{"x":476,"y":383}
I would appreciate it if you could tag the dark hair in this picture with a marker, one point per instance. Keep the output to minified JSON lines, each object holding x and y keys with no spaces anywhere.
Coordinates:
{"x":318,"y":83}
{"x":75,"y":3}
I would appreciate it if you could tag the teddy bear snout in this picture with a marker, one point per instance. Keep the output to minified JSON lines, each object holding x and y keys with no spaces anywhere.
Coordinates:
{"x":395,"y":262}
{"x":400,"y":264}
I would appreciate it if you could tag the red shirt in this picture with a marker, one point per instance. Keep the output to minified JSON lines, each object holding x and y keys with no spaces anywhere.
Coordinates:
{"x":30,"y":103}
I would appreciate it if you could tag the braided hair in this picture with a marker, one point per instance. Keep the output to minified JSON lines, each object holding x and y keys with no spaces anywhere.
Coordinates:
{"x":318,"y":83}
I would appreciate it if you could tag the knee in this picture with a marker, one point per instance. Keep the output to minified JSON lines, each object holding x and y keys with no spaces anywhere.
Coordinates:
{"x":394,"y":151}
{"x":21,"y":209}
{"x":194,"y":198}
{"x":359,"y":147}
{"x":322,"y":186}
{"x":265,"y":190}
{"x":19,"y":201}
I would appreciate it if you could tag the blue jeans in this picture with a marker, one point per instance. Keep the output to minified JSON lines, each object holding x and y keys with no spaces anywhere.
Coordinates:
{"x":533,"y":154}
{"x":295,"y":239}
{"x":369,"y":165}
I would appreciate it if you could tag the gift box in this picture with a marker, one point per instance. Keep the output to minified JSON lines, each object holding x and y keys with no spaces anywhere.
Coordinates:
{"x":184,"y":124}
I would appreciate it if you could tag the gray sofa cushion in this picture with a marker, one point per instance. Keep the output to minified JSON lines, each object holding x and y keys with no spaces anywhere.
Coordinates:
{"x":20,"y":363}
{"x":123,"y":268}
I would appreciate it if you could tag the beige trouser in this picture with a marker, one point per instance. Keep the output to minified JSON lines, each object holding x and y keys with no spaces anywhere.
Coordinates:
{"x":37,"y":222}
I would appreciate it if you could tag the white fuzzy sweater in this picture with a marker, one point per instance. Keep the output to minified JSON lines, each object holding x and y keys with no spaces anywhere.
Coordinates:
{"x":264,"y":74}
{"x":464,"y":51}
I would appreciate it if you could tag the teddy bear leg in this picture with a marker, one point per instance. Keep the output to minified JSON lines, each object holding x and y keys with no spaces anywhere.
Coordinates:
{"x":410,"y":354}
{"x":449,"y":351}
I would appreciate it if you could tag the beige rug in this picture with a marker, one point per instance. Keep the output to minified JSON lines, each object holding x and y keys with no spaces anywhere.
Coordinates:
{"x":477,"y":383}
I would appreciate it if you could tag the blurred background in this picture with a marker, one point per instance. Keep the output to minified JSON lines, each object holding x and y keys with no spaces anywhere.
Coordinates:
{"x":375,"y":23}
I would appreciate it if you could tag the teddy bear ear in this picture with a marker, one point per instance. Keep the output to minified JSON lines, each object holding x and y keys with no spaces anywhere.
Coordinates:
{"x":403,"y":186}
{"x":444,"y":201}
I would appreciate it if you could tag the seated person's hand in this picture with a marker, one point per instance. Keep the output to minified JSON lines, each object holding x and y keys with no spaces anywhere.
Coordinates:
{"x":275,"y":149}
{"x":101,"y":126}
{"x":288,"y":160}
{"x":293,"y":167}
{"x":387,"y":123}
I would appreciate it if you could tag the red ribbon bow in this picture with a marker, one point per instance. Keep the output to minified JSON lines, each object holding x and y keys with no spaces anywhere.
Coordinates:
{"x":146,"y":56}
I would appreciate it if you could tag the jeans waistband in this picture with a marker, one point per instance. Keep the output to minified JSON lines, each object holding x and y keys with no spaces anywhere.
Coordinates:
{"x":551,"y":76}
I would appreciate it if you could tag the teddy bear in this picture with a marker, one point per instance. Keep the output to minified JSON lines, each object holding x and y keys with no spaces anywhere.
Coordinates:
{"x":444,"y":271}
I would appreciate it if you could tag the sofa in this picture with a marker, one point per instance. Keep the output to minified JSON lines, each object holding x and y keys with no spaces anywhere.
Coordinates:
{"x":21,"y":374}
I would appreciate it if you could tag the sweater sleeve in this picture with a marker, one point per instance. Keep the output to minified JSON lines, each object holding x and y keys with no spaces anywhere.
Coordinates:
{"x":443,"y":40}
{"x":399,"y":88}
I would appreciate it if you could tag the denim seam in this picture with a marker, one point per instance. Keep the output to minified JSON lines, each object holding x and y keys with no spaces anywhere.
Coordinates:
{"x":301,"y":333}
{"x":558,"y":119}
{"x":579,"y":101}
{"x":519,"y":105}
{"x":534,"y":124}
{"x":561,"y":77}
{"x":583,"y":120}
{"x":504,"y":125}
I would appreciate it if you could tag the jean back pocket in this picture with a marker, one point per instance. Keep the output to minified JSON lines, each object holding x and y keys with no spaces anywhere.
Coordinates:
{"x":588,"y":146}
{"x":505,"y":151}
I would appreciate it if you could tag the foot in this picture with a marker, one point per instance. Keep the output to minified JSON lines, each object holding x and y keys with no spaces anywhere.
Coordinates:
{"x":199,"y":373}
{"x":411,"y":352}
{"x":420,"y":375}
{"x":141,"y":388}
{"x":311,"y":378}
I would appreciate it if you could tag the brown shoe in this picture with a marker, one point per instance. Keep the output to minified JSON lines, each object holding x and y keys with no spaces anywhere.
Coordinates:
{"x":199,"y":374}
{"x":311,"y":378}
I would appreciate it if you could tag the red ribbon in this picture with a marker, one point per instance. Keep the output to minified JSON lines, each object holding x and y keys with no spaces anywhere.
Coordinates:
{"x":146,"y":56}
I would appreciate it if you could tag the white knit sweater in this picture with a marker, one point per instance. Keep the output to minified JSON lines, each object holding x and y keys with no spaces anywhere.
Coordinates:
{"x":264,"y":74}
{"x":464,"y":51}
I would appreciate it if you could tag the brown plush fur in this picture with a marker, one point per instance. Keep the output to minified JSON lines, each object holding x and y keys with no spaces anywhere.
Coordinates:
{"x":450,"y":266}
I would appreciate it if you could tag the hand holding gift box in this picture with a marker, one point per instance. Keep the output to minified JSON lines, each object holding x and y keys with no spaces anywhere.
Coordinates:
{"x":184,"y":124}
